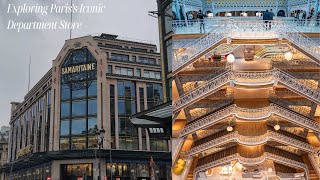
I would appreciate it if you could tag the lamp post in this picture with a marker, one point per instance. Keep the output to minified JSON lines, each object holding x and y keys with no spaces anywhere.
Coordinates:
{"x":99,"y":137}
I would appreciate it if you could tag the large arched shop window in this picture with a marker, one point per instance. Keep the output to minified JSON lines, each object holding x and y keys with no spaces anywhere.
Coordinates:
{"x":78,"y":115}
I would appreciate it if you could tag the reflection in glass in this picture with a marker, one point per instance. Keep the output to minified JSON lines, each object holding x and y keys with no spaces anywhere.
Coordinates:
{"x":92,"y":125}
{"x":78,"y":143}
{"x":64,"y":143}
{"x":79,"y":93}
{"x":92,"y":106}
{"x":65,"y":109}
{"x":78,"y":126}
{"x":78,"y":108}
{"x":64,"y":127}
{"x":65,"y":92}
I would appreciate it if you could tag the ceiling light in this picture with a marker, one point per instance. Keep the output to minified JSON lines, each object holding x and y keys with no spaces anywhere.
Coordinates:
{"x":288,"y":56}
{"x":277,"y":127}
{"x":230,"y":58}
{"x":229,"y":128}
{"x":269,"y":170}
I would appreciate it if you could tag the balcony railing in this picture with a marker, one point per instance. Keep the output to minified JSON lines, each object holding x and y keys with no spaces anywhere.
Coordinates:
{"x":250,"y":141}
{"x":193,"y":26}
{"x":177,"y":145}
{"x":245,"y":29}
{"x":251,"y":78}
{"x":293,"y":105}
{"x":250,"y":114}
{"x":252,"y":161}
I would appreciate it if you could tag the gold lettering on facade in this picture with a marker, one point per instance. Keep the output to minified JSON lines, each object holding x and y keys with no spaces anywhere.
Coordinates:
{"x":79,"y":68}
{"x":24,"y":151}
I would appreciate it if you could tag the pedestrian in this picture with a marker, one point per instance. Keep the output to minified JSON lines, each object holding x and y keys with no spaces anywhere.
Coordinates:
{"x":304,"y":16}
{"x":266,"y":18}
{"x":300,"y":18}
{"x":271,"y":18}
{"x":201,"y":16}
{"x":190,"y":16}
{"x":271,"y":14}
{"x":318,"y":19}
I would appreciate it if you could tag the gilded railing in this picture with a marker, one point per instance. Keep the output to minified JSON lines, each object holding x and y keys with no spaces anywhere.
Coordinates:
{"x":260,"y":113}
{"x":251,"y":140}
{"x":252,"y":161}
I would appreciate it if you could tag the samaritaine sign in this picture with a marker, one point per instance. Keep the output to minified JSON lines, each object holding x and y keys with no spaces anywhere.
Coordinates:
{"x":79,"y":68}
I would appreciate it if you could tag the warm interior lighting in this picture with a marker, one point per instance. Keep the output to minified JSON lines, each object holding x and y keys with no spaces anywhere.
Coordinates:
{"x":178,"y":168}
{"x":277,"y":127}
{"x":229,"y":128}
{"x":269,"y":170}
{"x":259,"y":14}
{"x":230,"y":58}
{"x":228,"y":14}
{"x":288,"y":56}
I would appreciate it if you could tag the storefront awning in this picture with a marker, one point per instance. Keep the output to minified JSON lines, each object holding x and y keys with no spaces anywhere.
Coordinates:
{"x":45,"y":158}
{"x":157,"y":117}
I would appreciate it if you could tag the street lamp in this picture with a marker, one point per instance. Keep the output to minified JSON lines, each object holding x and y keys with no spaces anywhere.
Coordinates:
{"x":99,"y":137}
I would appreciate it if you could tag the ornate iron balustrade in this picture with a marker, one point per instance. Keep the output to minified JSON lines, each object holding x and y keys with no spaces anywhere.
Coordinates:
{"x":252,"y":161}
{"x":295,"y":64}
{"x":304,"y":88}
{"x":257,"y":114}
{"x":186,"y":169}
{"x":194,"y":85}
{"x":300,"y":40}
{"x":315,"y":160}
{"x":227,"y":99}
{"x":177,"y":147}
{"x":193,"y":26}
{"x":198,"y":46}
{"x":294,"y":106}
{"x":251,"y":140}
{"x":203,"y":90}
{"x":248,"y":29}
{"x":253,"y":77}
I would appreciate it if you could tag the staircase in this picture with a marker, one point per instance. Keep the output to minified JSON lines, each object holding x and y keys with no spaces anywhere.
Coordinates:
{"x":203,"y":90}
{"x":199,"y":48}
{"x":312,"y":173}
{"x":300,"y":87}
{"x":304,"y":88}
{"x":300,"y":41}
{"x":194,"y":165}
{"x":228,"y":29}
{"x":250,"y":114}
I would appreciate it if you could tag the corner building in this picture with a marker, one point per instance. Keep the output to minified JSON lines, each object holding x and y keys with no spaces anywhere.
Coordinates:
{"x":245,"y":92}
{"x":95,"y":83}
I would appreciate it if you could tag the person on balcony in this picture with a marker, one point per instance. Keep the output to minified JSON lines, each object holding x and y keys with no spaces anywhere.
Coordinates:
{"x":266,"y":18}
{"x":300,"y":16}
{"x":201,"y":16}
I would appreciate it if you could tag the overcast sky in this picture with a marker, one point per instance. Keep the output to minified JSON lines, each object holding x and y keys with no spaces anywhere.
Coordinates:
{"x":126,"y":18}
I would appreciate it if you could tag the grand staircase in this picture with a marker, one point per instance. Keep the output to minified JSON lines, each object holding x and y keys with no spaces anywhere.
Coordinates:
{"x":249,"y":114}
{"x":233,"y":28}
{"x":249,"y":78}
